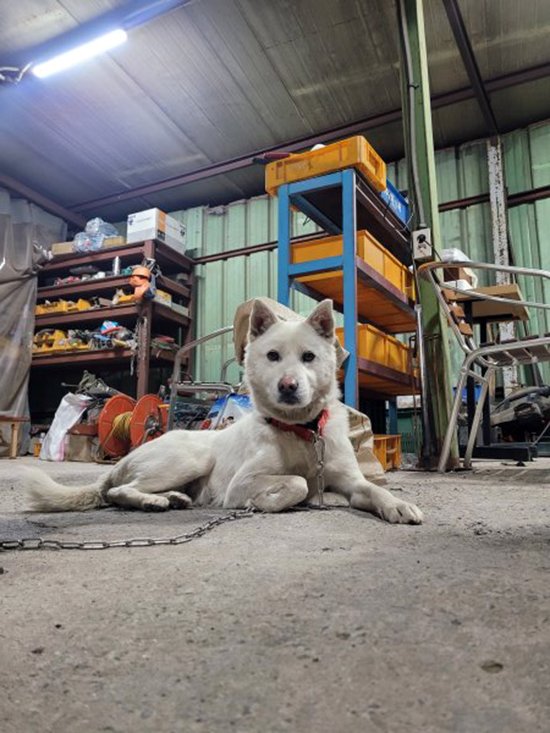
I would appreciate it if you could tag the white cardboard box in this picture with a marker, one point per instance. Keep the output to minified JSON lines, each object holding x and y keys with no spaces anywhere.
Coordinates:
{"x":155,"y":224}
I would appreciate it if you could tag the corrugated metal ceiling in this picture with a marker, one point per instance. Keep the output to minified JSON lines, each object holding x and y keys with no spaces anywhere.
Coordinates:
{"x":222,"y":78}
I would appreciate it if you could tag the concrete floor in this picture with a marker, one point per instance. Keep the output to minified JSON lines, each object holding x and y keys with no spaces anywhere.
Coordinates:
{"x":304,"y":621}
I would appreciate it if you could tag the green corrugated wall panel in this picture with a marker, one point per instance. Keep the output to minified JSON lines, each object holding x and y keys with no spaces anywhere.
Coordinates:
{"x":473,"y":177}
{"x":222,"y":286}
{"x":210,"y":354}
{"x":301,"y":225}
{"x":517,"y":161}
{"x":214,"y":231}
{"x":540,"y":154}
{"x":258,"y":276}
{"x":523,"y":229}
{"x":446,"y":168}
{"x":235,"y":226}
{"x":234,"y":293}
{"x":194,"y":227}
{"x":258,"y":221}
{"x":476,"y":233}
{"x":451,"y":229}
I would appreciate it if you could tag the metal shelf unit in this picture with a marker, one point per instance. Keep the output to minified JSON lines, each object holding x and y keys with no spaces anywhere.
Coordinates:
{"x":146,"y":313}
{"x":338,"y":202}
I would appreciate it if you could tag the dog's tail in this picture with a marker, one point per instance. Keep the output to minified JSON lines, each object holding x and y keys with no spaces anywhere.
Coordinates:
{"x":46,"y":495}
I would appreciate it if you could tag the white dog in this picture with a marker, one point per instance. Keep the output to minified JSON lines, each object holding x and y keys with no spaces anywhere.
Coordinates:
{"x":268,"y":458}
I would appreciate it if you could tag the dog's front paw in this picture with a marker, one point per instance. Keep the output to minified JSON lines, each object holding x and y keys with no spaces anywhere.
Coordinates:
{"x":401,"y":512}
{"x":178,"y":500}
{"x":155,"y":503}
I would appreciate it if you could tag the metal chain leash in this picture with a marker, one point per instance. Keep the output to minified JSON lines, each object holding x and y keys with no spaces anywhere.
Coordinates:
{"x":319,"y":447}
{"x":37,"y":543}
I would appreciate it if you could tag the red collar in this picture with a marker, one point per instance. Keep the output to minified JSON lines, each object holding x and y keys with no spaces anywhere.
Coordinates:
{"x":308,"y":431}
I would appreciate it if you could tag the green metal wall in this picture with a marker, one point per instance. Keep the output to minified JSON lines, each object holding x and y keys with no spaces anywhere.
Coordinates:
{"x":461,"y":172}
{"x":224,"y":284}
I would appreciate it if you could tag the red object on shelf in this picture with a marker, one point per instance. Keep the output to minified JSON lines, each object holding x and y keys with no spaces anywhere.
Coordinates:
{"x":111,"y":444}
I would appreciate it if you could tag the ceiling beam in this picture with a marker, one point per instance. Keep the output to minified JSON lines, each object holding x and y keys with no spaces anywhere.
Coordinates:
{"x":354,"y":128}
{"x":465,"y":47}
{"x":43,"y":201}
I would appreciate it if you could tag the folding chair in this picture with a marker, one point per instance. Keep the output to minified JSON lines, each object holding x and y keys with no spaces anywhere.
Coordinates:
{"x":488,"y":357}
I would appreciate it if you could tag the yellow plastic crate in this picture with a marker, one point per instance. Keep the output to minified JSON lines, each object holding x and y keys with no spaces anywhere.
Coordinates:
{"x":382,"y":348}
{"x":368,"y":249}
{"x":387,"y":448}
{"x":62,"y":306}
{"x":355,"y":152}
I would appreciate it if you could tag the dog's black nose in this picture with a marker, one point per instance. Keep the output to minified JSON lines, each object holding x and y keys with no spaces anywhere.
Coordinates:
{"x":287,"y":386}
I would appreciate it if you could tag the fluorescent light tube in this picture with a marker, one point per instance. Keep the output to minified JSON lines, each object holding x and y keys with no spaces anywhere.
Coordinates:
{"x":80,"y":53}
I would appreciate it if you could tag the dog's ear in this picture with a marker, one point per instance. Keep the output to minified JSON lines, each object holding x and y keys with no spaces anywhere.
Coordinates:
{"x":322,"y":319}
{"x":261,"y":318}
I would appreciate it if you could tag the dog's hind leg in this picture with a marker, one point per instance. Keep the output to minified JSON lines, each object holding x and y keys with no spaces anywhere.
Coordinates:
{"x":153,"y":480}
{"x":269,"y":493}
{"x":128,"y":496}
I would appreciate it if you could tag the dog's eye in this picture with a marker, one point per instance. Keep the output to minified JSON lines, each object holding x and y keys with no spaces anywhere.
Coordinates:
{"x":273,"y":355}
{"x":308,"y":356}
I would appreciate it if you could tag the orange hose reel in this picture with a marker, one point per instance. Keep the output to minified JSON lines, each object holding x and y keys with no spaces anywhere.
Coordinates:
{"x":125,"y":424}
{"x":110,"y":441}
{"x":149,"y":420}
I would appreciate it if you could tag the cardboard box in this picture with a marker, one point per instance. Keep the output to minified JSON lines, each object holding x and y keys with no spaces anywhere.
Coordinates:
{"x":66,"y":248}
{"x":81,"y":448}
{"x":62,"y":248}
{"x":109,"y":242}
{"x":457,"y":273}
{"x":155,"y":224}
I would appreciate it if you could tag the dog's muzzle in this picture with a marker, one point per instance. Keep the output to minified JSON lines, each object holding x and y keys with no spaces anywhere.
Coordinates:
{"x":288,"y":391}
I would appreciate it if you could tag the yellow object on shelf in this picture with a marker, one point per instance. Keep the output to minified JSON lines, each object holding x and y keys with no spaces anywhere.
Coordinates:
{"x":372,"y":301}
{"x":161,"y":296}
{"x":387,"y":448}
{"x":368,"y":249}
{"x":48,"y":341}
{"x":389,"y":369}
{"x":62,"y":306}
{"x":122,"y":298}
{"x":354,"y":152}
{"x":53,"y":340}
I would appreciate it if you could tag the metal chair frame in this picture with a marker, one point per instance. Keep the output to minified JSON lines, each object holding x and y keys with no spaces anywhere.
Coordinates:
{"x":178,"y":386}
{"x":520,"y":351}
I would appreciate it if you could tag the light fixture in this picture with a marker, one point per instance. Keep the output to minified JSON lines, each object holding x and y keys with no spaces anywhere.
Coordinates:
{"x":80,"y":53}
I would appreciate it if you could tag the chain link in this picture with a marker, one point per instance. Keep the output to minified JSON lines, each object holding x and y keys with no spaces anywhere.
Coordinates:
{"x":319,"y":446}
{"x":37,"y":543}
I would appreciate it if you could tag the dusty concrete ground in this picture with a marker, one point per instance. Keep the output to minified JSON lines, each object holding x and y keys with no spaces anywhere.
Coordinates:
{"x":305,"y":621}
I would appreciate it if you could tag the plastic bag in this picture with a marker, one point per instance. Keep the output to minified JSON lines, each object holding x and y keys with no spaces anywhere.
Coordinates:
{"x":67,"y":414}
{"x":91,"y":239}
{"x":98,"y":226}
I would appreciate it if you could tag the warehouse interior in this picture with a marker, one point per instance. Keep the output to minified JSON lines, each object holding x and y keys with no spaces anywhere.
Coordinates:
{"x":168,"y":168}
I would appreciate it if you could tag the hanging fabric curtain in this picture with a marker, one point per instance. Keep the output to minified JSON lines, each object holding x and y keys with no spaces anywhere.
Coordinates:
{"x":26,"y":235}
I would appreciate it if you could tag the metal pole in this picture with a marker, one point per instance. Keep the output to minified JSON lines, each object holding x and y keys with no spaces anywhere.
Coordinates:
{"x":420,"y":155}
{"x":349,"y":233}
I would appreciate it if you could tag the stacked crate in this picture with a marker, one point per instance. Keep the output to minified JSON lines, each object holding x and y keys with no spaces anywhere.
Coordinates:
{"x":385,"y":286}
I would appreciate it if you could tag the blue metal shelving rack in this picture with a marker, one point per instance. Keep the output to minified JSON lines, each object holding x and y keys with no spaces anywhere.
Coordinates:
{"x":293,"y":194}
